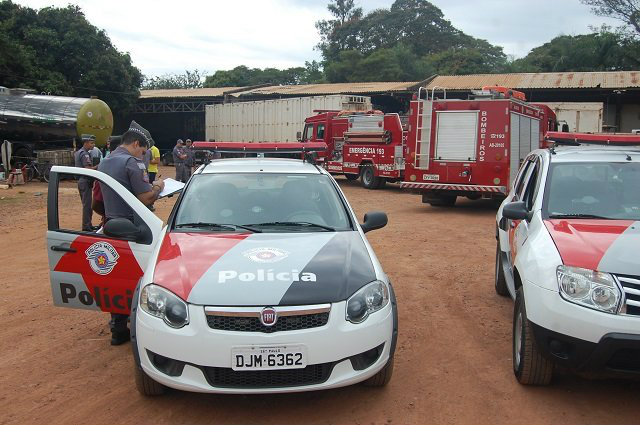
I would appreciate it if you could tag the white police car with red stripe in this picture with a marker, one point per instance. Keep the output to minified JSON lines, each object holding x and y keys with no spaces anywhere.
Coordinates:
{"x":568,"y":235}
{"x":261,"y":282}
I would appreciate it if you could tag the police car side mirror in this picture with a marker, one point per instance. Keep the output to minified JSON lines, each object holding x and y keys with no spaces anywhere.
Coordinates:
{"x":515,"y":211}
{"x":121,"y":228}
{"x":374,"y":220}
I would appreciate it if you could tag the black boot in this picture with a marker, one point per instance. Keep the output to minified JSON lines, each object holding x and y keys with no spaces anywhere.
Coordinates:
{"x":118,"y":338}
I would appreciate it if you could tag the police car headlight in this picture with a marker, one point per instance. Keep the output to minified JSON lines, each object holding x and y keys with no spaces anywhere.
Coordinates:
{"x":589,"y":288}
{"x":367,"y":300}
{"x":163,"y":304}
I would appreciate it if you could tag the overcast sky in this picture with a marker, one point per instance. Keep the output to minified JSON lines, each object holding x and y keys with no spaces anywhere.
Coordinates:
{"x":165,"y":36}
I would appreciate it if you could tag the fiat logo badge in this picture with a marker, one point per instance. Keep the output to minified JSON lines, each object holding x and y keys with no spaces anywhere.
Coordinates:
{"x":268,"y":316}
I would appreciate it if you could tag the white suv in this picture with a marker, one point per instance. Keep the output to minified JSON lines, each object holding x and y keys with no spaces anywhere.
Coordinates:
{"x":568,"y":239}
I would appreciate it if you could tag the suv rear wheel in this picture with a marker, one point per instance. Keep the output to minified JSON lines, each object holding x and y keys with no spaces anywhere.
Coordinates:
{"x":529,"y":366}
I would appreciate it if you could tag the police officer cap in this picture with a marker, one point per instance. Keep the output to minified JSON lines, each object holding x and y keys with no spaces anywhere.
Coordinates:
{"x":137,"y":128}
{"x":88,"y":138}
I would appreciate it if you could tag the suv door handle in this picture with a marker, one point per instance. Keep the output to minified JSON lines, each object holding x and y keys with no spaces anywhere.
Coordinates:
{"x":62,"y":248}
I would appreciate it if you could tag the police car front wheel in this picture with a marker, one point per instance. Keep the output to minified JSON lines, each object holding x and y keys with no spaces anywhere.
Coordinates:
{"x":529,"y":366}
{"x":147,"y":386}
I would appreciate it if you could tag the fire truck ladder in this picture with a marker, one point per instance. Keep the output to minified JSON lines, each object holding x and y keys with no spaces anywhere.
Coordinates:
{"x":423,"y":132}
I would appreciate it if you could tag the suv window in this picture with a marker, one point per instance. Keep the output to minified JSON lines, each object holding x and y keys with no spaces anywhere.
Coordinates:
{"x":532,"y":186}
{"x":593,"y":190}
{"x":521,"y":184}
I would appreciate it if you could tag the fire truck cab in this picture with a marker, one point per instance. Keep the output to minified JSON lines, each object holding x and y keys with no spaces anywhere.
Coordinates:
{"x":472,"y":147}
{"x":368,"y":145}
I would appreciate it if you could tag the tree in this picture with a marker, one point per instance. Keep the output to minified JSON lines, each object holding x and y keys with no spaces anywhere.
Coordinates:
{"x":600,"y":51}
{"x":337,"y":34}
{"x":57,"y":51}
{"x":188,"y":80}
{"x":628,"y":11}
{"x":242,"y":76}
{"x":405,"y":42}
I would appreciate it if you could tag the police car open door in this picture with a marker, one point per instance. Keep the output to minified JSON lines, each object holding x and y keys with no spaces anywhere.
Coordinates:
{"x":92,"y":270}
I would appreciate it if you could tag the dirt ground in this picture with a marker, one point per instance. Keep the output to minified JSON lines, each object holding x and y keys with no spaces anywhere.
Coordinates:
{"x":453,"y":362}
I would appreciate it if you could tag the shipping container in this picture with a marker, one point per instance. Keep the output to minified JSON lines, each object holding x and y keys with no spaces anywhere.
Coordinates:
{"x":581,"y":117}
{"x":277,"y":120}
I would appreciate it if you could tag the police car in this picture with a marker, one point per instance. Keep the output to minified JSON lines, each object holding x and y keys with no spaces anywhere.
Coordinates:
{"x":568,"y":236}
{"x":262,"y":281}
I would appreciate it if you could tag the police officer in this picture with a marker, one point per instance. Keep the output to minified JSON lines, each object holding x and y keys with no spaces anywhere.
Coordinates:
{"x":179,"y":155}
{"x":126,"y":166}
{"x":189,"y":161}
{"x":82,"y":159}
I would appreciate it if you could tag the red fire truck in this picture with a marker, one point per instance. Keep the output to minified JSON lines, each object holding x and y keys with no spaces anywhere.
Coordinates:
{"x":367,"y":145}
{"x":473,"y":147}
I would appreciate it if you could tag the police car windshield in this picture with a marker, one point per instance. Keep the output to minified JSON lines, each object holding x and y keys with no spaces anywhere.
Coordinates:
{"x":265,"y":202}
{"x":607,"y":190}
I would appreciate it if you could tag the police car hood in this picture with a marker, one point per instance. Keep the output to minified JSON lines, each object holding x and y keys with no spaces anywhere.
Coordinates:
{"x":605,"y":245}
{"x":263,"y":269}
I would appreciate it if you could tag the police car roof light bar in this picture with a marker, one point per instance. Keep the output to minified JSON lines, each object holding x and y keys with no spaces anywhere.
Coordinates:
{"x":577,"y":139}
{"x":259,"y":147}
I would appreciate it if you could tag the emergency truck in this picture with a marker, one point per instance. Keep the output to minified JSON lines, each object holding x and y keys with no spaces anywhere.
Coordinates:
{"x":368,"y":145}
{"x":471,"y":147}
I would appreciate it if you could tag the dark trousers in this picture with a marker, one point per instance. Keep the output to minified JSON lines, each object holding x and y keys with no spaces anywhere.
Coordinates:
{"x":118,"y":323}
{"x":85,"y":189}
{"x":152,"y":177}
{"x":180,"y":172}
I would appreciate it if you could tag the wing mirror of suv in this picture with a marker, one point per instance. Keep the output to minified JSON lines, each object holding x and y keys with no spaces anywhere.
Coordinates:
{"x":122,"y":228}
{"x":515,"y":211}
{"x":374,"y":220}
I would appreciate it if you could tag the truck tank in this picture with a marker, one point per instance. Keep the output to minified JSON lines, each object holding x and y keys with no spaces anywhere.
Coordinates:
{"x":42,"y":118}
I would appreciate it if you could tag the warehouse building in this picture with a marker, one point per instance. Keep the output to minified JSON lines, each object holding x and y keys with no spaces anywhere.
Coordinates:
{"x":173,"y":114}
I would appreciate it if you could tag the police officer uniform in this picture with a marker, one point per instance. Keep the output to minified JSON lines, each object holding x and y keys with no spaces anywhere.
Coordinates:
{"x":179,"y":151}
{"x":82,"y":159}
{"x":130,"y":172}
{"x":189,"y":162}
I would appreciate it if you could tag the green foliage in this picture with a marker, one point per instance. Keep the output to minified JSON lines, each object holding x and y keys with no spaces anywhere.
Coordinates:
{"x":188,"y":80}
{"x":628,"y":11}
{"x":600,"y":51}
{"x":409,"y":41}
{"x":242,"y":76}
{"x":57,"y":51}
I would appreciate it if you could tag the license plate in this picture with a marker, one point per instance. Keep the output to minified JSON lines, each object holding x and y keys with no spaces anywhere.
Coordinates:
{"x":269,"y":357}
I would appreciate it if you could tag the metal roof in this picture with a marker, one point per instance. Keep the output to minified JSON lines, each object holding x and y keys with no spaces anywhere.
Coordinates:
{"x":205,"y":92}
{"x":335,"y":88}
{"x":543,"y":80}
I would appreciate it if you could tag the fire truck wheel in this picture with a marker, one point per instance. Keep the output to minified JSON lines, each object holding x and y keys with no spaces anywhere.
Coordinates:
{"x":500,"y":281}
{"x":368,"y":177}
{"x":442,"y":201}
{"x":381,"y":378}
{"x":529,"y":366}
{"x":147,"y":386}
{"x":351,"y":177}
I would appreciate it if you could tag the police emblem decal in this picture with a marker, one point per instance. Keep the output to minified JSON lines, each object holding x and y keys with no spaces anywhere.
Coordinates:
{"x":102,"y":257}
{"x":268,"y":316}
{"x":266,"y":255}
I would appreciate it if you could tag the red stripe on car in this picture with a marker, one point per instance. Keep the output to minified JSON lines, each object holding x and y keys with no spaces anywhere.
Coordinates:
{"x":583,"y":242}
{"x":184,"y":257}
